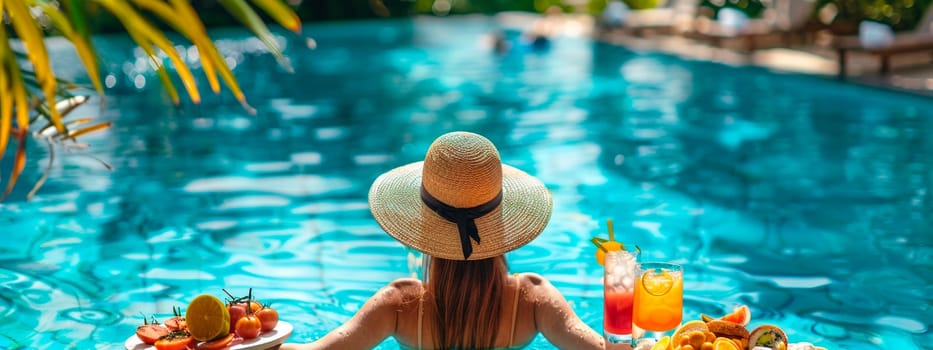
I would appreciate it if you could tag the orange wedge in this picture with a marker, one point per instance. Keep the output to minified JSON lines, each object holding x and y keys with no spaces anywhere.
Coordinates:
{"x":724,"y":344}
{"x":662,"y":344}
{"x":609,"y":246}
{"x":741,"y":315}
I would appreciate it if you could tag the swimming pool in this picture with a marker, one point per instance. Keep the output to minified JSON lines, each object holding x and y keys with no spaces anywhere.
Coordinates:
{"x":807,"y":199}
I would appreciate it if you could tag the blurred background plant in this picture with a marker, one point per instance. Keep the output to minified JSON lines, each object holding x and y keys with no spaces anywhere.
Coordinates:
{"x":33,"y":101}
{"x":596,"y":6}
{"x":843,"y":16}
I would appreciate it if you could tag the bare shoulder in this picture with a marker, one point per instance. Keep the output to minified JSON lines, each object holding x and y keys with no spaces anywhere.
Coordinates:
{"x":533,"y":280}
{"x":406,"y":284}
{"x":538,"y":286}
{"x":402,"y":291}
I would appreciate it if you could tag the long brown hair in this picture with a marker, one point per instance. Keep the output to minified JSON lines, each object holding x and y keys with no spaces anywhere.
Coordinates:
{"x":468,"y":298}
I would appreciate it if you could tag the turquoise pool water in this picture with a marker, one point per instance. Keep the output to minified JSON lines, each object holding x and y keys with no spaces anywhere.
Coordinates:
{"x":807,"y":199}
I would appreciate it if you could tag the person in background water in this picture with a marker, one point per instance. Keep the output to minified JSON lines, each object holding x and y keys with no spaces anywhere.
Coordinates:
{"x":463,"y":209}
{"x":544,"y":29}
{"x":497,"y":42}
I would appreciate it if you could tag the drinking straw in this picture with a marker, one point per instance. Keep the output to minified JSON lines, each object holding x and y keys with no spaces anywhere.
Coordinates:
{"x":611,"y":232}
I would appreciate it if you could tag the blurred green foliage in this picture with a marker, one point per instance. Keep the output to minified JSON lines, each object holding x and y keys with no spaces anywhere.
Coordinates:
{"x":595,"y":7}
{"x":902,"y":15}
{"x":751,"y":8}
{"x":486,"y":7}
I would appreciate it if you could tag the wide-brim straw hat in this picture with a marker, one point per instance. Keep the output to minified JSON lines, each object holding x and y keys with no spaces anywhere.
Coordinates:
{"x":460,"y":170}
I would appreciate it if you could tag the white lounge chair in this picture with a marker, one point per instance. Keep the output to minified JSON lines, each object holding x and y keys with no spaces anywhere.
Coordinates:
{"x":786,"y":19}
{"x":919,"y":40}
{"x":674,"y":16}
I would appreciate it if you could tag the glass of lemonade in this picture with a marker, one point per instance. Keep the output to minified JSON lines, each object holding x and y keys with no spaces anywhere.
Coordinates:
{"x":618,"y":291}
{"x":659,"y":298}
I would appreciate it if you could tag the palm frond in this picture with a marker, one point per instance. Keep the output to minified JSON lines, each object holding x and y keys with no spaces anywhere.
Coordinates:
{"x":209,"y":53}
{"x":82,"y":44}
{"x":19,"y":162}
{"x":281,"y":13}
{"x":187,"y":27}
{"x":28,"y":31}
{"x":140,"y":29}
{"x":32,"y":93}
{"x":240,"y":10}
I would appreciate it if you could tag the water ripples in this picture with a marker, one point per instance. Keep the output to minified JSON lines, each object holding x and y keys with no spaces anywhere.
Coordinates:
{"x":767,"y":194}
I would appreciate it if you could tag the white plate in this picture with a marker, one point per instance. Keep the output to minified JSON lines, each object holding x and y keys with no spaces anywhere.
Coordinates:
{"x":266,"y":340}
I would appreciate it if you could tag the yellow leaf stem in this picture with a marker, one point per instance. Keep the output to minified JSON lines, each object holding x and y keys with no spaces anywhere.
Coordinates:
{"x":82,"y":45}
{"x":189,"y":27}
{"x":281,"y":13}
{"x":28,"y":30}
{"x":134,"y":22}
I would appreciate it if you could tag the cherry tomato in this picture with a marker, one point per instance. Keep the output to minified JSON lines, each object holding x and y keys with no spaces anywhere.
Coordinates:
{"x":178,"y":340}
{"x":248,"y":327}
{"x":150,"y":333}
{"x":268,"y":317}
{"x":218,"y":344}
{"x":237,"y":311}
{"x":255,"y":306}
{"x":176,"y":323}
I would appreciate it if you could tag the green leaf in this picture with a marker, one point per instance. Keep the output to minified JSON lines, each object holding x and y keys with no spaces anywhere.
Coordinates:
{"x":28,"y":31}
{"x":19,"y":163}
{"x":240,"y":10}
{"x":75,"y":11}
{"x":167,"y":84}
{"x":81,"y":43}
{"x":281,"y":13}
{"x":191,"y":28}
{"x":209,"y":53}
{"x":139,"y":27}
{"x":599,"y":244}
{"x":6,"y":104}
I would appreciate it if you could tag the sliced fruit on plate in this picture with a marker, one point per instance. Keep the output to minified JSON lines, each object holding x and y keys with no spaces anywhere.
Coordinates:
{"x":177,"y":322}
{"x":662,"y":344}
{"x":150,"y":333}
{"x":767,"y":336}
{"x":741,"y":315}
{"x":207,"y":318}
{"x":218,"y":344}
{"x":687,"y":328}
{"x":176,"y":340}
{"x":725,"y":344}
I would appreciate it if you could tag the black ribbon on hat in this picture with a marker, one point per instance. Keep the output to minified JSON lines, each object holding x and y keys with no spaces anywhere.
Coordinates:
{"x":463,"y":217}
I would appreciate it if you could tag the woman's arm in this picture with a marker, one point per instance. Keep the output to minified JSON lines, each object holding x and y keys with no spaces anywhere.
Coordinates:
{"x":374,"y":322}
{"x":556,"y":320}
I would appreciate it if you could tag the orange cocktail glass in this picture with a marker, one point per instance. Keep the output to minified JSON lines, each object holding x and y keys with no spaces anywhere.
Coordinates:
{"x":659,"y":297}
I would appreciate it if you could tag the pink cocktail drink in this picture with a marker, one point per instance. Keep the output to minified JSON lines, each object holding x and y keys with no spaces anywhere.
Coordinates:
{"x":618,"y":295}
{"x":617,"y":313}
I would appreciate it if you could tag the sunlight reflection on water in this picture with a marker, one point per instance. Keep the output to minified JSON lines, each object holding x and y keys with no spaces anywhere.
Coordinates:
{"x":808,"y":200}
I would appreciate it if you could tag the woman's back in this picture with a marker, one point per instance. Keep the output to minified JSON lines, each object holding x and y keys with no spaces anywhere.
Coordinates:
{"x":515,"y":326}
{"x":537,"y":305}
